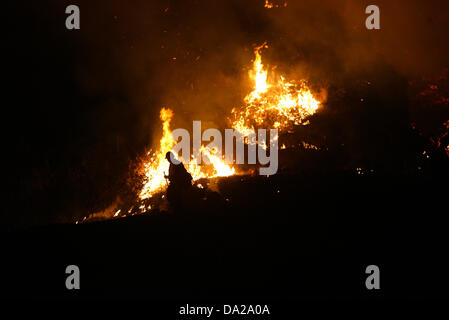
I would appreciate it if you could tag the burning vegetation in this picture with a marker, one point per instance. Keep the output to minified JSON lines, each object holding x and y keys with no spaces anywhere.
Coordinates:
{"x":273,"y":103}
{"x":157,"y":166}
{"x":75,"y":148}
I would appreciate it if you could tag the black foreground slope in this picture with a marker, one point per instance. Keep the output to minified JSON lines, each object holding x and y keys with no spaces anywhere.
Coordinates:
{"x":279,"y":237}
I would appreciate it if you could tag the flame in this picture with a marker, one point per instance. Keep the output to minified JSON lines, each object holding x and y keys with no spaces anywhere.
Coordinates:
{"x":270,"y":5}
{"x":220,"y":167}
{"x":157,"y":166}
{"x":274,"y":103}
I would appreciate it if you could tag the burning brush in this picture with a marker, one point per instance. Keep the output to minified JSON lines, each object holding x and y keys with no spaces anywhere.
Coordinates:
{"x":274,"y":102}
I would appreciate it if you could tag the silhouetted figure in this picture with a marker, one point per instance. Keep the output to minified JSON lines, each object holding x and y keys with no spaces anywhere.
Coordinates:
{"x":180,"y":182}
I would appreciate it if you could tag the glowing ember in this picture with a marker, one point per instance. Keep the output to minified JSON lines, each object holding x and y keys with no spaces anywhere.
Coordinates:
{"x":273,"y":103}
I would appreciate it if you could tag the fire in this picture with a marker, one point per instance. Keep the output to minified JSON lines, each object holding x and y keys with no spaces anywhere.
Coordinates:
{"x":274,"y":102}
{"x":221,"y":168}
{"x":269,"y":4}
{"x":157,"y":166}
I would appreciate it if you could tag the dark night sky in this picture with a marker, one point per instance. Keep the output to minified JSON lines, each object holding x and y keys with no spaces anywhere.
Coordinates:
{"x":79,"y":105}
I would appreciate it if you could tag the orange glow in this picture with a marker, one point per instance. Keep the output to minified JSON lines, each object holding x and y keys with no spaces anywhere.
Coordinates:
{"x":157,"y":166}
{"x":274,"y":102}
{"x":269,"y":4}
